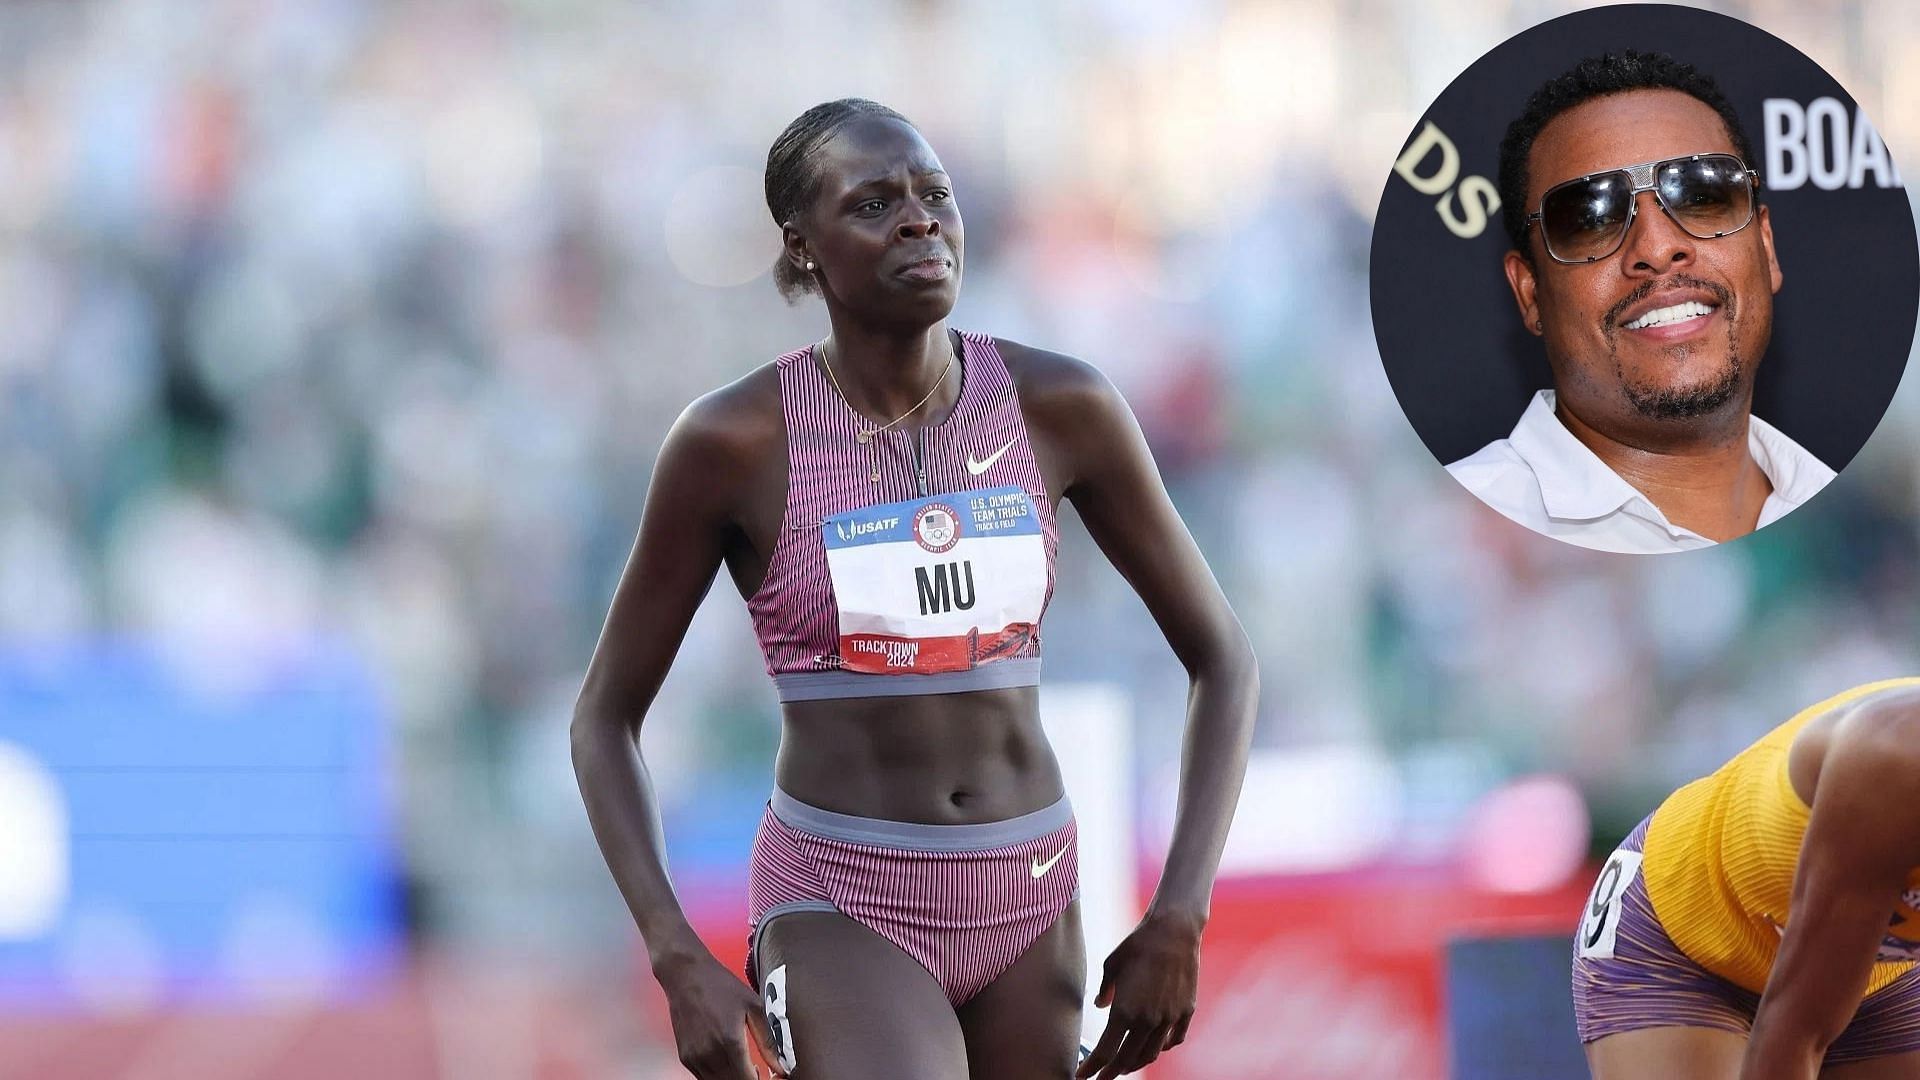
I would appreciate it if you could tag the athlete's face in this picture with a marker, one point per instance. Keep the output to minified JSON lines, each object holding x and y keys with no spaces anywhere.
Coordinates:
{"x":1612,"y":371}
{"x":884,"y":231}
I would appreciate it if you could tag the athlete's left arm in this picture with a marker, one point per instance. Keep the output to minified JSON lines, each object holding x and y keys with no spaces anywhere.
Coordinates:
{"x":1862,"y":841}
{"x":1091,"y":444}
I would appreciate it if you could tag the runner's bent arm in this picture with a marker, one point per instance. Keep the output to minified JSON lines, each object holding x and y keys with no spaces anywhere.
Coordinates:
{"x":1862,"y":840}
{"x":685,"y":532}
{"x":1110,"y":477}
{"x":1119,"y":495}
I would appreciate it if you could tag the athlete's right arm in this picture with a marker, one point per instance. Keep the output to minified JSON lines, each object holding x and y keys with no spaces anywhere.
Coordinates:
{"x":702,"y":476}
{"x":1862,"y":840}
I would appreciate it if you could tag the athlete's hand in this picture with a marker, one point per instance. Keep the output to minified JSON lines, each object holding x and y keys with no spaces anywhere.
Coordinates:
{"x":1150,"y":982}
{"x":714,"y":1017}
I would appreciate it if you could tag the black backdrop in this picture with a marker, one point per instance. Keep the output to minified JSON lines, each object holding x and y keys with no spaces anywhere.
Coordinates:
{"x":1461,"y":364}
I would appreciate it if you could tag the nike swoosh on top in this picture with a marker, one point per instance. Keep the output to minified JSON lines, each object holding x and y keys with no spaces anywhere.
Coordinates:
{"x":1040,"y":868}
{"x":978,"y":467}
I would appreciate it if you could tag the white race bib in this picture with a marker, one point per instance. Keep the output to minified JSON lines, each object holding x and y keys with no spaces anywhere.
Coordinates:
{"x":774,"y":996}
{"x":1600,"y":925}
{"x":940,"y":583}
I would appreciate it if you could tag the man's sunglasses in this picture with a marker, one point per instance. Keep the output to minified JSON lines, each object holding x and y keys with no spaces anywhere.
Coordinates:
{"x":1587,"y":218}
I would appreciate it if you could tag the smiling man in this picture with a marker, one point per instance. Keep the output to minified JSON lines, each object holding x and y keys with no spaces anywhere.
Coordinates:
{"x":1644,"y":260}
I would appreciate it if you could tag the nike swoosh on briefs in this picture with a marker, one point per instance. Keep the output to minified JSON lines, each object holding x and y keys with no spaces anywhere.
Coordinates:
{"x":978,"y":467}
{"x":1040,"y":868}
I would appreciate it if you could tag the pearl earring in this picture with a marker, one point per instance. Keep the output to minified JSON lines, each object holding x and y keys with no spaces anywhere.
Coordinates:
{"x":809,"y":266}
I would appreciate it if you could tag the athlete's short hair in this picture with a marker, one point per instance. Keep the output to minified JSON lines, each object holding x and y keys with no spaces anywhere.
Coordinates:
{"x":793,"y":181}
{"x":1595,"y":77}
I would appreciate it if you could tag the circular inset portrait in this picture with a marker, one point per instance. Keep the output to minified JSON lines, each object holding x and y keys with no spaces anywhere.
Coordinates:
{"x":1644,"y":278}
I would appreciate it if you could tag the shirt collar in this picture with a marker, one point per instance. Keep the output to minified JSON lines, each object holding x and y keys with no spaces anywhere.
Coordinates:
{"x":1796,"y":474}
{"x":1575,"y":485}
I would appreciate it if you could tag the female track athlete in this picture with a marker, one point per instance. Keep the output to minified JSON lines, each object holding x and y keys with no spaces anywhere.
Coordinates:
{"x":1764,"y":922}
{"x":884,"y":501}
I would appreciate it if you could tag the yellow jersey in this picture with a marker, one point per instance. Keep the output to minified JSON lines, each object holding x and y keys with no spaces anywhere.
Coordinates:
{"x":1720,"y":855}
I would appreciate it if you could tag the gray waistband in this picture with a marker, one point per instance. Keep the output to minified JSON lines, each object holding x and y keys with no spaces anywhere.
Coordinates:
{"x":914,"y":836}
{"x":821,"y":685}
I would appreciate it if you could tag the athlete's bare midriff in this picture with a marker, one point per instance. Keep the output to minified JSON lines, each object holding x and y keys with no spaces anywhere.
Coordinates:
{"x":946,"y":759}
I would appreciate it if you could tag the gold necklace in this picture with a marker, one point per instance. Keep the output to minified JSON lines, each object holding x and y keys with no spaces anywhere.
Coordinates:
{"x":866,"y":437}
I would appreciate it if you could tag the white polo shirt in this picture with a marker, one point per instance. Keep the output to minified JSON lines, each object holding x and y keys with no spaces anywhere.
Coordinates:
{"x":1544,"y":478}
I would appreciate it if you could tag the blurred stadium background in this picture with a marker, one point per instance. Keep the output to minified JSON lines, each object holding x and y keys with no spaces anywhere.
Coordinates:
{"x":336,"y":341}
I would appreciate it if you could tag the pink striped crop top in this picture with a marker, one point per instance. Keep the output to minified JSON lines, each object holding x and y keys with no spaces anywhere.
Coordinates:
{"x":930,"y":580}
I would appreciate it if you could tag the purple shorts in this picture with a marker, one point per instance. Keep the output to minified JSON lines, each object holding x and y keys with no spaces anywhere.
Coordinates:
{"x":1629,"y":975}
{"x":964,"y":900}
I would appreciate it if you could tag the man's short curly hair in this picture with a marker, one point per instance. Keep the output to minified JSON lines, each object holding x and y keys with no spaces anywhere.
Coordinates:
{"x":1594,"y":77}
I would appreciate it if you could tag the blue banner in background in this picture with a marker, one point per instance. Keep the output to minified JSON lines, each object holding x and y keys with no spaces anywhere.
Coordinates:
{"x":196,"y":841}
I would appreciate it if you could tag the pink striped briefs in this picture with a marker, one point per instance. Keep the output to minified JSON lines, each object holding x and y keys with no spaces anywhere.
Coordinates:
{"x":964,"y":900}
{"x":910,"y":561}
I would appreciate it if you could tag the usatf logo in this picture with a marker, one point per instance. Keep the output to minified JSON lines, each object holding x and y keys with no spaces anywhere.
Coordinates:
{"x":856,"y":529}
{"x":936,"y":527}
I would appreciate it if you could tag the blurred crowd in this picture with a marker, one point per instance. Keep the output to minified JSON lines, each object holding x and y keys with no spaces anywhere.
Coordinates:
{"x":362,"y":322}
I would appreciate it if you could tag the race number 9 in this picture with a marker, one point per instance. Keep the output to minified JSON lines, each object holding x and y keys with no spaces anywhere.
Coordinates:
{"x":774,"y":995}
{"x":1600,"y":924}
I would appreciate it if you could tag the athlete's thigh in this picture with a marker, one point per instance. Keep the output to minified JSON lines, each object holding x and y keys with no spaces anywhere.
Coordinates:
{"x":1026,"y":1023}
{"x":1895,"y":1067}
{"x":857,"y":1006}
{"x":1697,"y":1053}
